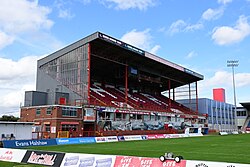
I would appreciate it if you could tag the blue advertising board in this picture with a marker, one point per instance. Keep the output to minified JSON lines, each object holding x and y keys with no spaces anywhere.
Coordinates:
{"x":80,"y":140}
{"x":27,"y":143}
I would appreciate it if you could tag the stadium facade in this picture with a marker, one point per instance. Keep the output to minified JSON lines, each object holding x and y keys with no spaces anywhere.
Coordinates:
{"x":221,"y":115}
{"x":102,"y":84}
{"x":243,"y":116}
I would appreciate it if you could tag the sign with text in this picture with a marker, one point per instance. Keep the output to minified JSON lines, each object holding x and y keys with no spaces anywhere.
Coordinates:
{"x":43,"y":158}
{"x":133,"y":137}
{"x":213,"y":164}
{"x":129,"y":161}
{"x":11,"y":155}
{"x":27,"y":143}
{"x":106,"y":139}
{"x":87,"y":160}
{"x":80,"y":140}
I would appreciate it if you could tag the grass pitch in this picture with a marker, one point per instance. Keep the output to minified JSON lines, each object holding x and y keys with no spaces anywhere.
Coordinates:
{"x":231,"y":148}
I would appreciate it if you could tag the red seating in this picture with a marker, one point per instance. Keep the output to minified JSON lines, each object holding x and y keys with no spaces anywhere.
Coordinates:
{"x":113,"y":97}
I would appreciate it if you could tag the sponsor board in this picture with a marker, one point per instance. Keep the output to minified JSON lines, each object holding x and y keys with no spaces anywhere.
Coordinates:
{"x":121,"y":138}
{"x":129,"y":161}
{"x":11,"y":155}
{"x":195,"y":134}
{"x":223,"y":133}
{"x":132,"y":137}
{"x":111,"y":138}
{"x":43,"y":158}
{"x":144,"y":137}
{"x":81,"y":140}
{"x":177,"y":135}
{"x":27,"y":143}
{"x":156,"y":136}
{"x":87,"y":160}
{"x":235,"y":132}
{"x":106,"y":139}
{"x":213,"y":164}
{"x":100,"y":139}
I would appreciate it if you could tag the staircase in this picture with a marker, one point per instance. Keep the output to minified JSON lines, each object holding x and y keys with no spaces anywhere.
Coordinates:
{"x":246,"y":124}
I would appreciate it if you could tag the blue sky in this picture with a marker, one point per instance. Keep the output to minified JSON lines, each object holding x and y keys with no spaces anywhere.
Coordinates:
{"x":198,"y":34}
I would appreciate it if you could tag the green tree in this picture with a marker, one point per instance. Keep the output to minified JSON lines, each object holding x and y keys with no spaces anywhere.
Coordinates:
{"x":9,"y":118}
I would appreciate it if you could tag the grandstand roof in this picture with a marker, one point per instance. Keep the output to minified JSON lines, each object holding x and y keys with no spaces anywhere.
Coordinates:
{"x":104,"y":46}
{"x":246,"y":105}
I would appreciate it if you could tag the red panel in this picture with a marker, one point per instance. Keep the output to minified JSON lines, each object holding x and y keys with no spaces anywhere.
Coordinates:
{"x":219,"y":94}
{"x":70,"y":123}
{"x":62,"y":100}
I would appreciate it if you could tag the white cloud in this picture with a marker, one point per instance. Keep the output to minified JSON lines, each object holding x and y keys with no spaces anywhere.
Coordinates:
{"x":223,"y":79}
{"x":23,"y":16}
{"x":191,"y":55}
{"x":177,"y":27}
{"x":140,"y":39}
{"x":182,"y":26}
{"x":228,"y":35}
{"x":224,"y":1}
{"x":193,"y":27}
{"x":212,"y":14}
{"x":84,"y":1}
{"x":64,"y":8}
{"x":16,"y":77}
{"x":129,"y":4}
{"x":20,"y":18}
{"x":65,"y":14}
{"x":17,"y":69}
{"x":5,"y":39}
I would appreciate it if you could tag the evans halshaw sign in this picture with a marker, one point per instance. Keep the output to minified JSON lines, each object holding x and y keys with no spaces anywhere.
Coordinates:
{"x":27,"y":143}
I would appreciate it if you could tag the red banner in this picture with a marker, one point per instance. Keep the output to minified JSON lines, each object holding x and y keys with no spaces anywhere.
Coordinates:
{"x":127,"y":161}
{"x":156,"y":136}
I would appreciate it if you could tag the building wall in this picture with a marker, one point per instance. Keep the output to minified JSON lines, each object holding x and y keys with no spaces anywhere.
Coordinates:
{"x":242,"y":115}
{"x":219,"y":94}
{"x":35,"y":98}
{"x":66,"y":73}
{"x":221,"y":116}
{"x":53,"y":120}
{"x":20,"y":131}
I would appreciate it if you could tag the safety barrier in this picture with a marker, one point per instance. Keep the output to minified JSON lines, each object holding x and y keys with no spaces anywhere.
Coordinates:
{"x":59,"y":159}
{"x":27,"y":143}
{"x":85,"y":140}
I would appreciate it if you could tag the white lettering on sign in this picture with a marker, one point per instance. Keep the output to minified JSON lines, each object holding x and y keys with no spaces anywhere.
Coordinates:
{"x":169,"y":163}
{"x":44,"y":159}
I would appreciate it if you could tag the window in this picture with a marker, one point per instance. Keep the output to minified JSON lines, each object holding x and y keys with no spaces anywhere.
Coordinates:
{"x":38,"y":111}
{"x":241,"y":113}
{"x":139,"y":116}
{"x":49,"y":110}
{"x":68,"y":111}
{"x":47,"y":127}
{"x":68,"y":127}
{"x":118,"y":116}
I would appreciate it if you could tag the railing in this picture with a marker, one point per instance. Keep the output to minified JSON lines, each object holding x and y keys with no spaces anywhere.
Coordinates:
{"x":137,"y":132}
{"x":40,"y":135}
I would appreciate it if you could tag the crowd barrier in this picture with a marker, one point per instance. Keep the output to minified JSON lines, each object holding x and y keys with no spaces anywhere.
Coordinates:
{"x":79,"y":140}
{"x":27,"y":143}
{"x":59,"y":159}
{"x":85,"y":140}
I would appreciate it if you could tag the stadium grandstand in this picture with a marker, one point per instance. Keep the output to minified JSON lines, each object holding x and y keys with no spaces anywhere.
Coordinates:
{"x":243,"y":115}
{"x":102,"y":86}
